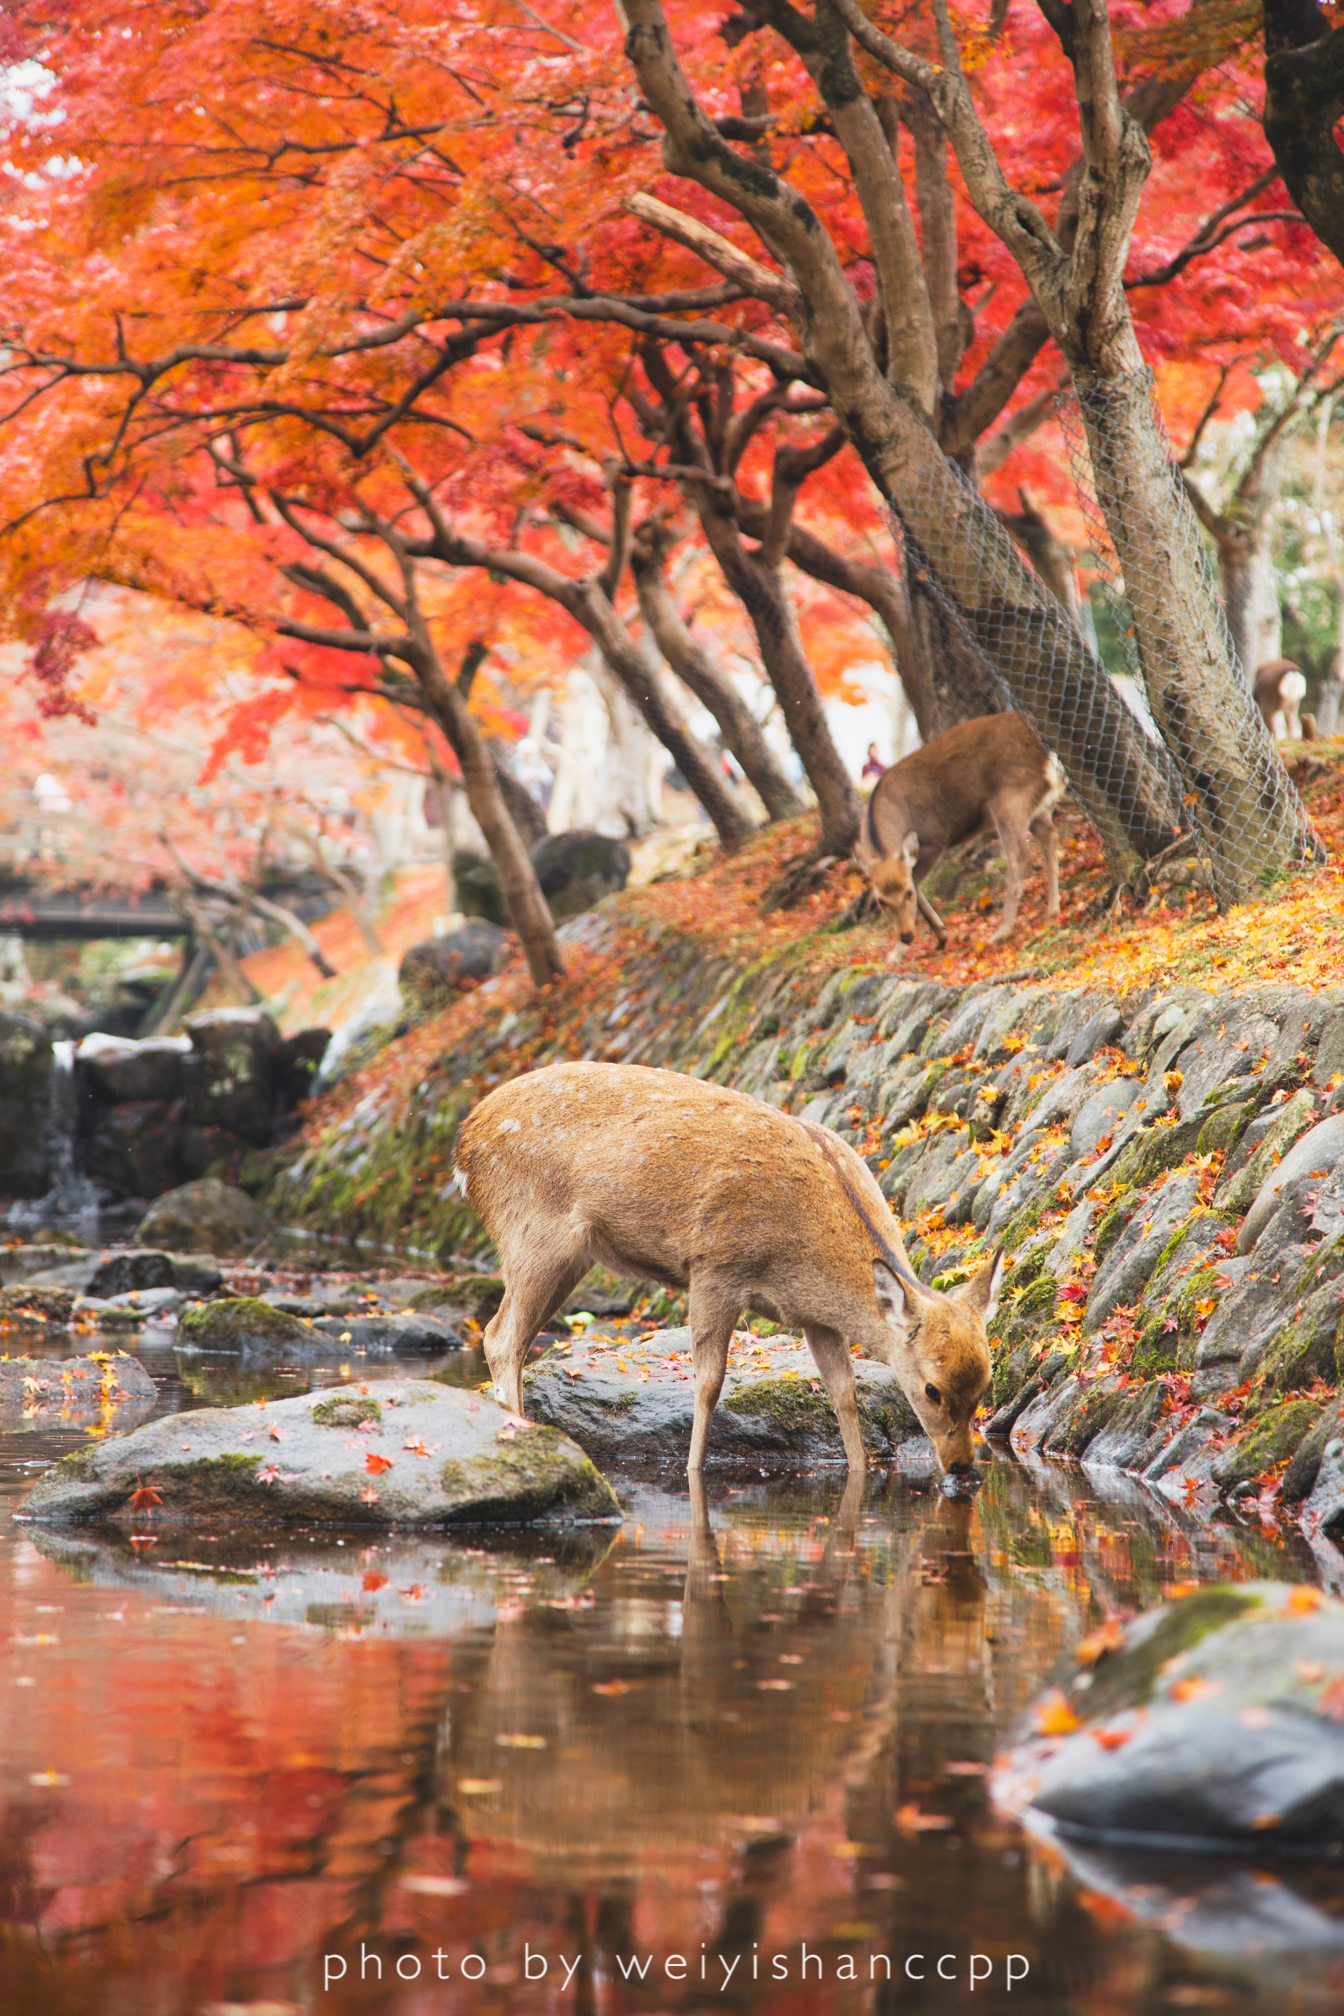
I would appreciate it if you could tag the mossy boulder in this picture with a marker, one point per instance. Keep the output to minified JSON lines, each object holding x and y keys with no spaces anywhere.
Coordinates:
{"x":1271,"y":1438}
{"x":26,"y":1065}
{"x":1307,"y":1348}
{"x":204,"y":1217}
{"x":428,"y":1455}
{"x":102,"y":1392}
{"x":240,"y":1323}
{"x":623,"y":1399}
{"x":1205,"y":1722}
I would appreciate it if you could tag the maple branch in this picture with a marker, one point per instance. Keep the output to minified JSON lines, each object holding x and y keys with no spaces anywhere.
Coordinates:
{"x":716,"y":251}
{"x":994,"y":452}
{"x":1210,"y":235}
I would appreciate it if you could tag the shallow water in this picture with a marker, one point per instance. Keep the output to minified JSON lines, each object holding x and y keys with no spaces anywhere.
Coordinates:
{"x":746,"y":1733}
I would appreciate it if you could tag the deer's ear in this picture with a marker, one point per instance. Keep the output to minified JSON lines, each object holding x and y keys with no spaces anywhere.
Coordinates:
{"x":982,"y":1290}
{"x":910,"y":849}
{"x":893,"y":1297}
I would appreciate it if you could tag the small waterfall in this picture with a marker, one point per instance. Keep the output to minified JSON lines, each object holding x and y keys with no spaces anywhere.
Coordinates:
{"x":72,"y":1199}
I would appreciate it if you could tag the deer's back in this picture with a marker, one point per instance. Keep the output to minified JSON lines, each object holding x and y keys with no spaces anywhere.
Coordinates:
{"x":941,"y":789}
{"x":667,"y":1172}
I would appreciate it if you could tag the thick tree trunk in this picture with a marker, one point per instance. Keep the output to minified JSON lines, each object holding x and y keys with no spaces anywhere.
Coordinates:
{"x":524,"y":810}
{"x":1249,"y":820}
{"x":761,"y":592}
{"x":526,"y":906}
{"x":695,"y":668}
{"x":1250,"y":593}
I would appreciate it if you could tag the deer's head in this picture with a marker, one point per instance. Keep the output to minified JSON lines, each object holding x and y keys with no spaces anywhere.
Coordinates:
{"x":940,"y":1354}
{"x":892,"y":880}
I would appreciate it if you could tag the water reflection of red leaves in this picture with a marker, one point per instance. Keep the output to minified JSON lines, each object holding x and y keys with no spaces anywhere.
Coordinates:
{"x":373,"y":1582}
{"x":144,"y":1539}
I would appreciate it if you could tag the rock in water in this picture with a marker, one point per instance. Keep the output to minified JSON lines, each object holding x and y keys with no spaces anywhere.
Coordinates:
{"x":403,"y":1453}
{"x":26,"y":1065}
{"x":99,"y":1390}
{"x":1215,"y":1722}
{"x":639,"y":1400}
{"x":204,"y":1217}
{"x":228,"y":1077}
{"x":241,"y":1323}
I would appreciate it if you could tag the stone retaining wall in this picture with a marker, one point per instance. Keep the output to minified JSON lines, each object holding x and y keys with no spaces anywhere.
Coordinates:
{"x":1165,"y":1170}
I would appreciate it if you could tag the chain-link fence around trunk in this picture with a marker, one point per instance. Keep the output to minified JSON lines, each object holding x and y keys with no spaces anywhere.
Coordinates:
{"x":1189,"y":757}
{"x":1248,"y":821}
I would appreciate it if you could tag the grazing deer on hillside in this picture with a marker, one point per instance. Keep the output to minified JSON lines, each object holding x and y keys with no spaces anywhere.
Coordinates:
{"x":990,"y":772}
{"x":672,"y":1180}
{"x":1280,"y":690}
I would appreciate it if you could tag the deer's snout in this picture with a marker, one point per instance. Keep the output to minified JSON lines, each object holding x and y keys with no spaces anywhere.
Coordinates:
{"x":963,"y":1480}
{"x":907,"y":937}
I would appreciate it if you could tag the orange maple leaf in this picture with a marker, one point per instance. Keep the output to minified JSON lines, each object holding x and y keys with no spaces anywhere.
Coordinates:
{"x":1054,"y":1716}
{"x":911,"y":1820}
{"x":144,"y":1497}
{"x":376,"y":1464}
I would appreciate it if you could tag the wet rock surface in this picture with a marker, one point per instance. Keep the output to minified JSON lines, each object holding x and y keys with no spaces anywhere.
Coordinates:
{"x":1215,"y":1721}
{"x":636,"y":1398}
{"x":405,"y":1453}
{"x":205,"y":1217}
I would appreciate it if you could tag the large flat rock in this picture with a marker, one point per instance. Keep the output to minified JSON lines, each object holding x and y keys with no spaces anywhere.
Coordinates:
{"x":1215,"y":1722}
{"x":400,"y":1453}
{"x":638,"y":1399}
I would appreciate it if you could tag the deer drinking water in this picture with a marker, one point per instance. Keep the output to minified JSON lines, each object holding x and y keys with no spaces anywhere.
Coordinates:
{"x":990,"y":772}
{"x":672,"y":1180}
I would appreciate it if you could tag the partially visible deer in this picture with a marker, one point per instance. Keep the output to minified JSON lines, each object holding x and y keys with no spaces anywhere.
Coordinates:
{"x":1280,"y":690}
{"x":672,"y":1180}
{"x":992,"y":772}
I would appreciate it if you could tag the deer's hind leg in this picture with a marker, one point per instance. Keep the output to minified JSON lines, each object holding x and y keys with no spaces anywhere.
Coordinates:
{"x":1043,"y":831}
{"x":533,"y":1290}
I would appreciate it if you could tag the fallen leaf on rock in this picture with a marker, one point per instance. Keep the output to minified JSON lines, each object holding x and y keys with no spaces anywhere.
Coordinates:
{"x":376,"y":1464}
{"x":516,"y":1742}
{"x":1054,"y":1716}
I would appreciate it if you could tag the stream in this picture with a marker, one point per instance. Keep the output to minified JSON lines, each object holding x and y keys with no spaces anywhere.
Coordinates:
{"x":730,"y":1755}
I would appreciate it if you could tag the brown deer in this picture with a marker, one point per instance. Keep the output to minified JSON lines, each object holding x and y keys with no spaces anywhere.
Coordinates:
{"x":672,"y":1180}
{"x":990,"y":772}
{"x":1280,"y":690}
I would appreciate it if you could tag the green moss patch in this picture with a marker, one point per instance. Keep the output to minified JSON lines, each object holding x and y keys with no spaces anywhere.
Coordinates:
{"x":238,"y":1321}
{"x":1127,"y":1679}
{"x":345,"y":1411}
{"x":1275,"y":1435}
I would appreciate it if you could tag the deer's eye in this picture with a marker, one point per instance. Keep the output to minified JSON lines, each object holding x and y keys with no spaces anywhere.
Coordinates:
{"x":933,"y":1394}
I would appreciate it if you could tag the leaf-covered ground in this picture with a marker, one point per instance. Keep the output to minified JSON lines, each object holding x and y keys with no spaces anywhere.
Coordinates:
{"x":1295,"y":934}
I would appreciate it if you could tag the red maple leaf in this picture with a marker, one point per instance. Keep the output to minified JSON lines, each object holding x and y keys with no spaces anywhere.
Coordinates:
{"x":376,"y":1464}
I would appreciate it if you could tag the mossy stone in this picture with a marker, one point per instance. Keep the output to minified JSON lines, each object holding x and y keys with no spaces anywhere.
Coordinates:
{"x":1307,"y":1348}
{"x":1126,"y":1679}
{"x":1224,"y":1127}
{"x":1112,"y":1223}
{"x":345,"y":1412}
{"x":238,"y":1321}
{"x":1275,"y":1435}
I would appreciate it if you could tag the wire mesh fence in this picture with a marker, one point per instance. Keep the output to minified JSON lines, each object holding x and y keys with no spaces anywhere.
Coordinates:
{"x":1189,"y":762}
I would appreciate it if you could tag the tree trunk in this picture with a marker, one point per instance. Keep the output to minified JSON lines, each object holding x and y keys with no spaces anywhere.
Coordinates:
{"x":640,"y":680}
{"x":526,"y":906}
{"x":760,"y":590}
{"x":696,"y":669}
{"x":524,"y":810}
{"x":1249,"y":819}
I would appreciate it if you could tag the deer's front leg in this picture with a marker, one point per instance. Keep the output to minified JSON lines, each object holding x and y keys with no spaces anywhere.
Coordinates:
{"x":836,"y":1367}
{"x":713,"y":1312}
